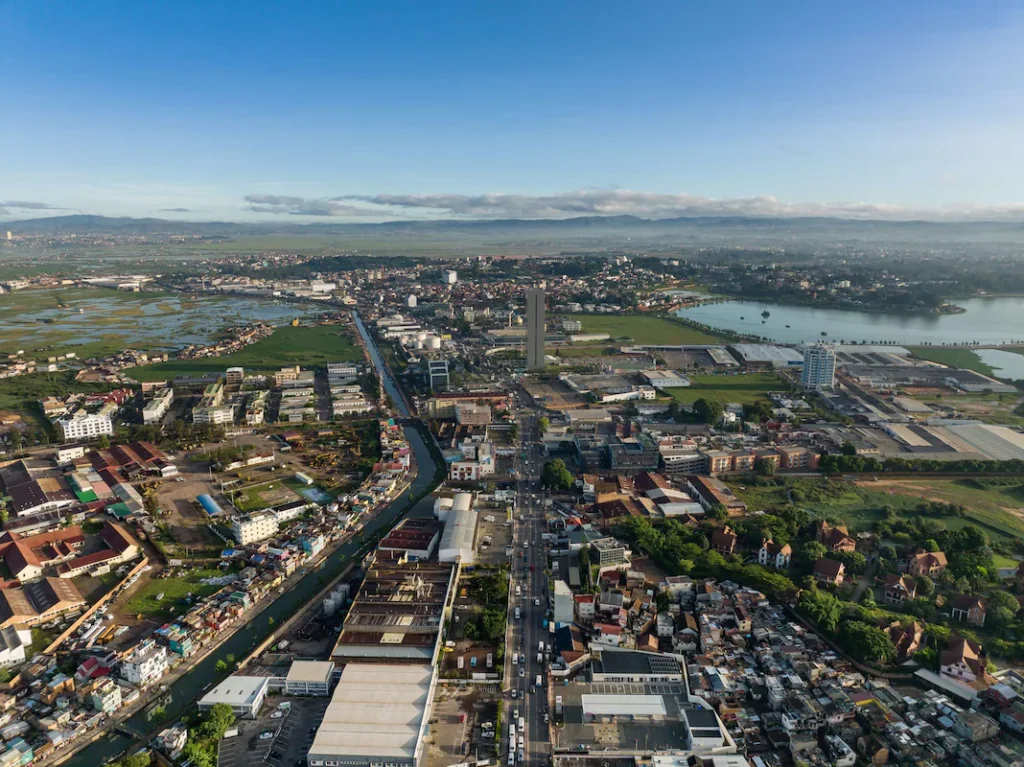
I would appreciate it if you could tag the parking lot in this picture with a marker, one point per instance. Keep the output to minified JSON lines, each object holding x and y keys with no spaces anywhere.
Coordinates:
{"x":280,"y":737}
{"x":493,"y":535}
{"x":456,"y":733}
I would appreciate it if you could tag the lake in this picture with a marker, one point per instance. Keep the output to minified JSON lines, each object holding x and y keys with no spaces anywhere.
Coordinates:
{"x":987,"y":321}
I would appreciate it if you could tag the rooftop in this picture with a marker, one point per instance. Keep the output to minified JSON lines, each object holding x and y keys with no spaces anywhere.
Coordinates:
{"x":377,"y":711}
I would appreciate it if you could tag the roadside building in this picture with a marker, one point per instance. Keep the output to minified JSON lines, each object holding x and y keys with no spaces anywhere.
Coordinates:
{"x":244,"y":694}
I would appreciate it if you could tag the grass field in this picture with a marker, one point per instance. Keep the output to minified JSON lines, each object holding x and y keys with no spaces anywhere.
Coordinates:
{"x":999,"y":511}
{"x":744,"y":388}
{"x":22,"y":392}
{"x":261,"y":496}
{"x":174,"y":590}
{"x":959,"y":358}
{"x":642,"y":329}
{"x":306,"y":346}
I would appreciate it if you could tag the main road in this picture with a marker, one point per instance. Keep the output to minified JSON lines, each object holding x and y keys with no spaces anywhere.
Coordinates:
{"x":529,"y":586}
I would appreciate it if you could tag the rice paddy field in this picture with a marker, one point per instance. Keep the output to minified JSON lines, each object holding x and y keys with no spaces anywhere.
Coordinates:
{"x":100,"y":321}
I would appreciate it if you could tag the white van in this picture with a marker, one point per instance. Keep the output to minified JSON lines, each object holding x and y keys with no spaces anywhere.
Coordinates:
{"x":515,"y":658}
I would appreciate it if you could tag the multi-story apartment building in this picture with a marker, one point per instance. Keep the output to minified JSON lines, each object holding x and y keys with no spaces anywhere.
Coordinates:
{"x":819,"y":367}
{"x":84,"y":426}
{"x":144,"y":663}
{"x":156,"y":408}
{"x":250,"y":528}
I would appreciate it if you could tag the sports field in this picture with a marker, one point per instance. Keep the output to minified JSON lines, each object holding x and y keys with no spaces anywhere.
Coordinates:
{"x":742,"y":388}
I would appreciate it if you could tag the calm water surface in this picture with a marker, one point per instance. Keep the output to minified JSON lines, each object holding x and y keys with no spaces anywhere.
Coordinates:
{"x":987,"y":321}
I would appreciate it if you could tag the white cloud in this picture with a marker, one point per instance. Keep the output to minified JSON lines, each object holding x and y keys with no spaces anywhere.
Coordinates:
{"x":609,"y":202}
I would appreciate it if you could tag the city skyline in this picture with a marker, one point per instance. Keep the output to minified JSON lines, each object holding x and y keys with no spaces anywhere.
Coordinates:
{"x":193,"y":111}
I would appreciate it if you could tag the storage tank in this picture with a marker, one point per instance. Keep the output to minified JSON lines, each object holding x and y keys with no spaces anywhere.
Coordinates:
{"x":434,"y":342}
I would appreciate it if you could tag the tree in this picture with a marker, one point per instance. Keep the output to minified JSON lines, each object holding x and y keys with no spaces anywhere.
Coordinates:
{"x":1002,"y":609}
{"x":15,"y":438}
{"x":138,"y":759}
{"x":220,"y":667}
{"x":707,"y":411}
{"x":888,"y":551}
{"x":584,"y":559}
{"x":925,"y":586}
{"x":764,"y":467}
{"x":198,"y":754}
{"x":848,"y":448}
{"x":809,"y":552}
{"x":218,"y":719}
{"x":543,"y":422}
{"x":867,"y":643}
{"x":822,"y":607}
{"x":854,"y":562}
{"x":930,"y":545}
{"x":556,"y":476}
{"x":103,"y":442}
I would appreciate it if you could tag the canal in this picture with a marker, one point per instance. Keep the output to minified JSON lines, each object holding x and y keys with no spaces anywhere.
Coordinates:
{"x":182,"y":694}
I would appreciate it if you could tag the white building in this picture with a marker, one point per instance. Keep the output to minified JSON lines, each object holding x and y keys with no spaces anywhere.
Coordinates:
{"x":219,"y":414}
{"x":245,"y":695}
{"x":155,"y":410}
{"x":144,"y":663}
{"x":450,"y":277}
{"x":459,"y":532}
{"x":341,"y":370}
{"x":13,"y":641}
{"x":257,"y":526}
{"x":378,"y":715}
{"x":309,"y":677}
{"x":82,"y":425}
{"x":411,"y":301}
{"x":234,"y":376}
{"x":68,"y":453}
{"x":563,"y":609}
{"x":819,"y":367}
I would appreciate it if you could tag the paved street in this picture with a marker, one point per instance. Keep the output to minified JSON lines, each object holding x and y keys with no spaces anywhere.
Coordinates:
{"x":529,"y":562}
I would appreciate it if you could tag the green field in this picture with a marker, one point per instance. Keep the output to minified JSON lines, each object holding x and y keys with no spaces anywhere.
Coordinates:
{"x":306,"y":346}
{"x":642,"y":329}
{"x":998,"y":510}
{"x":957,"y":358}
{"x":256,"y":497}
{"x":23,"y":392}
{"x":743,"y":388}
{"x":174,"y":590}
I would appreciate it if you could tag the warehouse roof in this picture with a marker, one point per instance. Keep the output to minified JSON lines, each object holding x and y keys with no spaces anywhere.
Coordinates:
{"x":377,"y":711}
{"x":237,"y":691}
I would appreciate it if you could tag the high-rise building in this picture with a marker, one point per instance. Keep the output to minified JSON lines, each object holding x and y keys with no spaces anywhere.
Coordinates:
{"x":819,"y":367}
{"x":450,"y":277}
{"x":534,"y":329}
{"x":438,"y":375}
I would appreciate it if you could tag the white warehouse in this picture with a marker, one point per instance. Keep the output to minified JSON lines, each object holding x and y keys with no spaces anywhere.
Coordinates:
{"x":459,"y":531}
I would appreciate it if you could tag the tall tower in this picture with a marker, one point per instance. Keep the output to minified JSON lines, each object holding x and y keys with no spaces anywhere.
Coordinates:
{"x":534,"y":329}
{"x":819,"y":367}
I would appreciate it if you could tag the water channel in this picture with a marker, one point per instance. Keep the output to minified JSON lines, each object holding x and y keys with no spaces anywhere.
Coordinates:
{"x":182,"y":694}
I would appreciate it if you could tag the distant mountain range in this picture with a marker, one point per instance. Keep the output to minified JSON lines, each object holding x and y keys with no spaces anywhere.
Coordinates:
{"x":614,"y":228}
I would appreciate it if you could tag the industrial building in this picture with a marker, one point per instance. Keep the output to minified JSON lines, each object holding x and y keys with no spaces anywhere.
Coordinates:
{"x":309,"y":677}
{"x":458,"y":538}
{"x":245,"y":695}
{"x":397,"y":614}
{"x":412,"y":538}
{"x":378,"y":716}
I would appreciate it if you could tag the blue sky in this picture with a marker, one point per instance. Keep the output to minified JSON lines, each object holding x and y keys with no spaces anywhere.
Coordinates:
{"x":272,"y":111}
